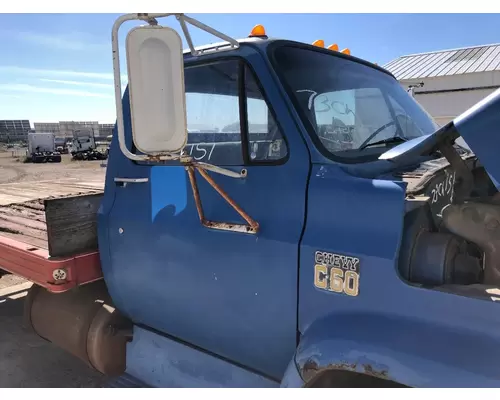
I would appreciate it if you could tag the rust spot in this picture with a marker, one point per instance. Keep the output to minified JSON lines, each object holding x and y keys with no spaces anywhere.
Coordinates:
{"x":252,"y":226}
{"x":369,"y":370}
{"x":196,"y":194}
{"x":228,"y":226}
{"x":311,"y":369}
{"x":310,"y":365}
{"x":154,"y":158}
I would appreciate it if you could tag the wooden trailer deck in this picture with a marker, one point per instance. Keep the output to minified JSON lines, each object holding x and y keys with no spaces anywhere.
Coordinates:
{"x":14,"y":193}
{"x":49,"y":227}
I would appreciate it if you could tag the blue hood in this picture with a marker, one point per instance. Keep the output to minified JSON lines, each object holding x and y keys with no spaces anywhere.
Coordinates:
{"x":479,"y":126}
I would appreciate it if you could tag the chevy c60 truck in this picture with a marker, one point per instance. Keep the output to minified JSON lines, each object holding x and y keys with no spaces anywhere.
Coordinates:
{"x":274,"y":214}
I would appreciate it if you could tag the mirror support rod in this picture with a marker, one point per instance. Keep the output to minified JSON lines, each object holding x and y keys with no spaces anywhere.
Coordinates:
{"x":252,"y":226}
{"x":151,"y":18}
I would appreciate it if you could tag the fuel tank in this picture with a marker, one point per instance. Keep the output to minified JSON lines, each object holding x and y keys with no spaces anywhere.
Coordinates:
{"x":83,"y":322}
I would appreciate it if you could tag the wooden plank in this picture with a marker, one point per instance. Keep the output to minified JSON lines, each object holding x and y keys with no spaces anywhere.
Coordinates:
{"x":34,"y":206}
{"x":25,"y":223}
{"x":21,"y":230}
{"x":43,"y":191}
{"x":35,"y":242}
{"x":22,"y":221}
{"x":15,"y":210}
{"x":72,"y":224}
{"x":19,"y":192}
{"x":6,"y":199}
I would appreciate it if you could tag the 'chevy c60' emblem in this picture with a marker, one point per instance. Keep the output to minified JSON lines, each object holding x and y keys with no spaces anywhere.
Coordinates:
{"x":336,"y":273}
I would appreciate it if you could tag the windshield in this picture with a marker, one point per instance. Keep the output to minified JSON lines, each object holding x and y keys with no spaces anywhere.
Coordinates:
{"x":353,"y":109}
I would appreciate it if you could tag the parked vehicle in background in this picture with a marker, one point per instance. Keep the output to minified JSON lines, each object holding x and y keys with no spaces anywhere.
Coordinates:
{"x":83,"y":146}
{"x":42,"y":148}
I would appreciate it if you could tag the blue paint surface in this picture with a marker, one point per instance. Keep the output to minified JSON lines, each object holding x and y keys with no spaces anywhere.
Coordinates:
{"x":162,"y":362}
{"x":353,"y":217}
{"x":291,"y":378}
{"x":418,"y":352}
{"x":168,"y":188}
{"x":480,"y":128}
{"x":419,"y":337}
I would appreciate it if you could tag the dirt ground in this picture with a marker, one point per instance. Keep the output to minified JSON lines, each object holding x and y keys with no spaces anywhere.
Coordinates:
{"x":25,"y":359}
{"x":12,"y":169}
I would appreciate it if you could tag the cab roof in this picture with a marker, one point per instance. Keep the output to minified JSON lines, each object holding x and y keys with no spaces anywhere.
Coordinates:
{"x":224,"y":45}
{"x":264,"y":42}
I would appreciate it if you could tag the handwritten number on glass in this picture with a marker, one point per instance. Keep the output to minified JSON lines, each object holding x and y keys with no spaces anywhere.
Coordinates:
{"x":201,"y":150}
{"x":337,"y":106}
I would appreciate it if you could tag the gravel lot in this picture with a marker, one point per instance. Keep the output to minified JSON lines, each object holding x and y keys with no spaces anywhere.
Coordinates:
{"x":14,"y":170}
{"x":25,"y":359}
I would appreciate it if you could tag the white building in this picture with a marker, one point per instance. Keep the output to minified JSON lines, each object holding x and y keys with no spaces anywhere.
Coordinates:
{"x":454,"y":80}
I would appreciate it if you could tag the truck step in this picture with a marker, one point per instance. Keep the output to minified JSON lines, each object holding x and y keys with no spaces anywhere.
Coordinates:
{"x":124,"y":381}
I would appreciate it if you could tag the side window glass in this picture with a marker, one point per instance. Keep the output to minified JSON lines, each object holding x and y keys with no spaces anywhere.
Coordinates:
{"x":213,"y":113}
{"x":266,"y":142}
{"x":215,"y":116}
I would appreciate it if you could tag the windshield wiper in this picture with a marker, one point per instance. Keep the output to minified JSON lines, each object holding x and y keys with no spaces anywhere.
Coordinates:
{"x":391,"y":140}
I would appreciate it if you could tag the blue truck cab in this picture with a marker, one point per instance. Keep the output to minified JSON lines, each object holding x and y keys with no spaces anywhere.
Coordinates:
{"x":320,"y":230}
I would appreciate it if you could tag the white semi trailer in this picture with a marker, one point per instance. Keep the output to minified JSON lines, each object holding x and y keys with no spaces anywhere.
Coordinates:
{"x":42,"y":148}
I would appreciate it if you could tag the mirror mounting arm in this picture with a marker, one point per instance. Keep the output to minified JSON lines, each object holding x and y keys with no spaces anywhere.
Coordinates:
{"x":151,"y":18}
{"x":221,"y":171}
{"x":251,"y":226}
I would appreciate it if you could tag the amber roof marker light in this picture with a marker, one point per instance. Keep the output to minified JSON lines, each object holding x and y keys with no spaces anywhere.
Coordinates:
{"x":258,"y":31}
{"x":332,"y":47}
{"x":319,"y":43}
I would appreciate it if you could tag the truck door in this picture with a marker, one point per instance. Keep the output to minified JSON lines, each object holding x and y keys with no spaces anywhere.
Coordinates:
{"x":233,"y":294}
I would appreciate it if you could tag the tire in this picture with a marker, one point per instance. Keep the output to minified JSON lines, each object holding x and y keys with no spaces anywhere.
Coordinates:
{"x":54,"y":159}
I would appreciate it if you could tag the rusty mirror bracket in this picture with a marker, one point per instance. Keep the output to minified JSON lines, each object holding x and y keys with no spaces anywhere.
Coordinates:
{"x":251,"y":226}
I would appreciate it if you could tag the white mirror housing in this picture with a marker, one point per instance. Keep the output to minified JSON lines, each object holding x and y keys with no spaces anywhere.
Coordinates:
{"x":156,"y":89}
{"x":156,"y":85}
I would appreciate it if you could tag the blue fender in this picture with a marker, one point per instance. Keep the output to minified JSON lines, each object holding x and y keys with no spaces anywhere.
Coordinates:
{"x":412,"y":352}
{"x":291,"y":377}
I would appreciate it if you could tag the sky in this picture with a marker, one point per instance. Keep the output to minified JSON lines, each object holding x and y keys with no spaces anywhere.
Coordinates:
{"x":57,"y":67}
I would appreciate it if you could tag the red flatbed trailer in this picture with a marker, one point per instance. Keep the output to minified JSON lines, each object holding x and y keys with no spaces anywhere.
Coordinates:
{"x":48,"y":232}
